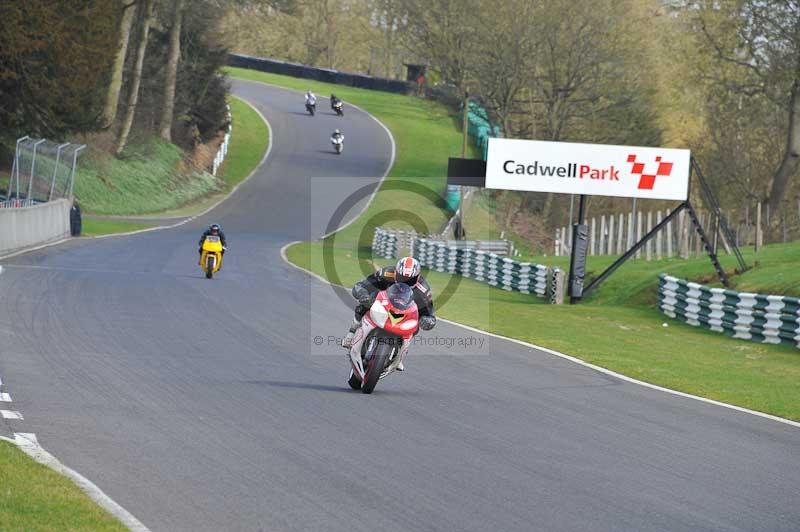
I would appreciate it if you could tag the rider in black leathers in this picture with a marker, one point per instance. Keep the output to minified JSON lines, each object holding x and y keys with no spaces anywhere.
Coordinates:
{"x":213,"y":230}
{"x":406,"y":271}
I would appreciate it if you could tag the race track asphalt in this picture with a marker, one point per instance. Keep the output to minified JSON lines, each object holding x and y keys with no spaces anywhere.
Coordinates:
{"x":206,"y":405}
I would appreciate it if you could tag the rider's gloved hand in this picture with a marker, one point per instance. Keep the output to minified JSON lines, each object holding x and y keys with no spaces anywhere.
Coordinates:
{"x":224,"y":248}
{"x":362,"y":295}
{"x":426,"y":323}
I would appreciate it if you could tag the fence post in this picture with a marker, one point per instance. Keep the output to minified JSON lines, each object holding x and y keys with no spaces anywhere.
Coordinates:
{"x":620,"y":249}
{"x":556,"y":247}
{"x":638,"y":232}
{"x":759,"y":241}
{"x":610,"y":247}
{"x":649,"y":245}
{"x":669,"y":237}
{"x":683,"y":234}
{"x":630,"y":231}
{"x":592,"y":241}
{"x":602,"y":239}
{"x":659,"y":240}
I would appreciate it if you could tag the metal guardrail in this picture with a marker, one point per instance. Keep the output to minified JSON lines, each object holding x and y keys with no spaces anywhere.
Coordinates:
{"x":42,"y":171}
{"x":761,"y":318}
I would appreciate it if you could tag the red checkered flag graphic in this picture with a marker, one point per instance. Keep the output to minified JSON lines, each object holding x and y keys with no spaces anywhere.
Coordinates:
{"x":647,"y":181}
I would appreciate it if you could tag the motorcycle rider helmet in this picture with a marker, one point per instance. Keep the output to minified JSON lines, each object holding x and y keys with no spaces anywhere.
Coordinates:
{"x":407,"y":270}
{"x":336,"y":132}
{"x":400,"y":296}
{"x":214,"y":229}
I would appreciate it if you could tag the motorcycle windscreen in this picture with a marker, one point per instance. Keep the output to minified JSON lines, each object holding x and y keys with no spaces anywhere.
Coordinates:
{"x":400,"y":296}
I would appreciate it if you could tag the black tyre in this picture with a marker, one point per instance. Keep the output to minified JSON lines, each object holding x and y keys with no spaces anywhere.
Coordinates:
{"x":376,"y":365}
{"x":354,"y":382}
{"x":209,"y":267}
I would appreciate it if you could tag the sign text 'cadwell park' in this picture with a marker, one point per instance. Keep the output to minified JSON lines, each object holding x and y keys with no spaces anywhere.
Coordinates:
{"x":591,"y":169}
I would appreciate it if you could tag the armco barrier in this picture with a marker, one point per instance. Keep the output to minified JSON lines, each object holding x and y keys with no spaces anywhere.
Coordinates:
{"x":756,"y":317}
{"x":321,"y":74}
{"x":32,"y":226}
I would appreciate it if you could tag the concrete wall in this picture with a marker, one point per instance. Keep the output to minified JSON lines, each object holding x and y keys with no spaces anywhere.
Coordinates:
{"x":32,"y":226}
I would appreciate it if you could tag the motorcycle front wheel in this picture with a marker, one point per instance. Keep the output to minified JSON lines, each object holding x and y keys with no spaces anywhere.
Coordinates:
{"x":376,"y":365}
{"x":209,"y":267}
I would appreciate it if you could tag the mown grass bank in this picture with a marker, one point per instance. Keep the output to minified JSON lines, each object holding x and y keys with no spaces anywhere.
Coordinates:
{"x":154,"y":177}
{"x":619,"y":328}
{"x":249,"y":142}
{"x":34,"y":498}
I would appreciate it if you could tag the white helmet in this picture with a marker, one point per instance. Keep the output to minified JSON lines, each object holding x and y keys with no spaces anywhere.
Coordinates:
{"x":407,"y":269}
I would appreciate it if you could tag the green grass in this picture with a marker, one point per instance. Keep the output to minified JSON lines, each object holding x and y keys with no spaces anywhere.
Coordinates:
{"x":149,"y":178}
{"x":249,"y":142}
{"x":248,"y":145}
{"x":97,"y":227}
{"x":34,"y":498}
{"x":618,"y":328}
{"x":153,"y":178}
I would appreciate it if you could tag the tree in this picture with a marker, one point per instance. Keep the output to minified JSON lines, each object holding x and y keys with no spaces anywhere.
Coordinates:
{"x":128,"y":9}
{"x":54,"y":62}
{"x":757,"y":47}
{"x":172,"y":70}
{"x":133,"y":95}
{"x":444,"y":33}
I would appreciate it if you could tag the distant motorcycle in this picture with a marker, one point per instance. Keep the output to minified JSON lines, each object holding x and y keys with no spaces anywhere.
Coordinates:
{"x":211,"y":256}
{"x":338,"y":106}
{"x":338,"y":144}
{"x":311,"y":108}
{"x":384,"y":337}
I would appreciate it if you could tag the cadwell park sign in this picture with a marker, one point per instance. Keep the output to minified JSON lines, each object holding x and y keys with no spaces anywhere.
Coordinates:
{"x":597,"y":170}
{"x":588,"y":169}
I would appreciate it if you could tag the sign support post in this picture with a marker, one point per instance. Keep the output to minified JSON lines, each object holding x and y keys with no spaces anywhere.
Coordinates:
{"x":577,"y":261}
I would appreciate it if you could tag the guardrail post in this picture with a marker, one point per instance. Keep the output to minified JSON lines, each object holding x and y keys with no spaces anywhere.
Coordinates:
{"x":33,"y":166}
{"x":55,"y":170}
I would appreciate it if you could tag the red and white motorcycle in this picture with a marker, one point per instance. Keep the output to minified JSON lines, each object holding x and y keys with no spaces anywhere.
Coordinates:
{"x":384,"y":337}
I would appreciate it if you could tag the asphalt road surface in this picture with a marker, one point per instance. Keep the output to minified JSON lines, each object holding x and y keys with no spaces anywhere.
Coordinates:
{"x":207,"y":405}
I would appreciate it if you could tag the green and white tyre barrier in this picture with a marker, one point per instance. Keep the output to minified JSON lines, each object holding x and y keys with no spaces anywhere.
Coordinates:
{"x":762,"y":318}
{"x":384,"y":243}
{"x":483,"y":266}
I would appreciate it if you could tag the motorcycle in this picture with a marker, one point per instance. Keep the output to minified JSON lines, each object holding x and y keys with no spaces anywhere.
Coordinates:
{"x":211,"y":256}
{"x":338,"y":106}
{"x":311,"y":107}
{"x":384,"y":337}
{"x":338,"y":144}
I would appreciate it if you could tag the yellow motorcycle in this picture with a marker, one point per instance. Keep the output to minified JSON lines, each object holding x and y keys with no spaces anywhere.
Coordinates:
{"x":211,"y":256}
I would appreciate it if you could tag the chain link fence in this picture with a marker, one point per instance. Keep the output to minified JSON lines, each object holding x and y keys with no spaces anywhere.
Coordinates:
{"x":42,"y":171}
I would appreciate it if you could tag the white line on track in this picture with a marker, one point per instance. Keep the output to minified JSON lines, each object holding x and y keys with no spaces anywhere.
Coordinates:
{"x":10,"y":414}
{"x":28,"y":443}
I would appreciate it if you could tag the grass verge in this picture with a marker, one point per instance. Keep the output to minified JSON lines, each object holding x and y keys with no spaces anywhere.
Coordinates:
{"x":248,"y":144}
{"x":152,"y":178}
{"x":34,"y":498}
{"x":97,"y":227}
{"x":619,"y":328}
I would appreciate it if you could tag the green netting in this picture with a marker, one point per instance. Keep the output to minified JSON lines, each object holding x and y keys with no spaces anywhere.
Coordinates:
{"x":480,"y":128}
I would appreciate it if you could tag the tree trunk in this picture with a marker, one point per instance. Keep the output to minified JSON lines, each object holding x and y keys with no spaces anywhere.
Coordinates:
{"x":791,"y":157}
{"x":172,"y":71}
{"x":136,"y":80}
{"x":112,"y":96}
